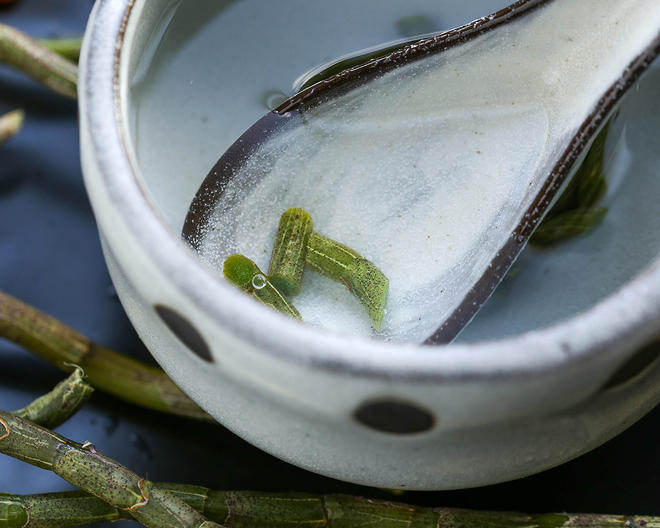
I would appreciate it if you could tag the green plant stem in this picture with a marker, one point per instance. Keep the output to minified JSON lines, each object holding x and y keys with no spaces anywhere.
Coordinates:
{"x":106,"y":369}
{"x":10,"y":124}
{"x":287,"y":261}
{"x":288,"y":510}
{"x":69,"y":48}
{"x":567,"y":225}
{"x":246,"y":275}
{"x":56,"y":407}
{"x":20,"y":51}
{"x":85,"y":468}
{"x":360,"y":276}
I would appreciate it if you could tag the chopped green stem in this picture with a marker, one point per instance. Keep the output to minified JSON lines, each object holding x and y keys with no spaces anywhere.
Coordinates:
{"x":20,"y":51}
{"x":573,"y":213}
{"x":56,"y":407}
{"x":567,"y":225}
{"x":287,"y":262}
{"x":69,"y":48}
{"x":106,"y":369}
{"x":85,"y":468}
{"x":10,"y":124}
{"x":247,"y":276}
{"x":286,"y":510}
{"x":592,"y":185}
{"x":361,"y":277}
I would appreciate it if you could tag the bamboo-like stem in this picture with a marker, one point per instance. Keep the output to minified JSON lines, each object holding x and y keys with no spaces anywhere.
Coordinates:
{"x":287,"y":510}
{"x":10,"y":124}
{"x":246,"y":275}
{"x":360,"y":276}
{"x":287,"y":261}
{"x":85,"y":468}
{"x":56,"y":407}
{"x":69,"y":48}
{"x":20,"y":51}
{"x":106,"y":369}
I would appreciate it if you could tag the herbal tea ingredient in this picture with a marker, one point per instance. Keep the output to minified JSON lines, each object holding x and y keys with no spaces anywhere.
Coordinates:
{"x":361,"y":277}
{"x":287,"y":261}
{"x":245,"y":274}
{"x":85,"y":468}
{"x":296,"y":246}
{"x":10,"y":124}
{"x":20,"y":51}
{"x":106,"y":369}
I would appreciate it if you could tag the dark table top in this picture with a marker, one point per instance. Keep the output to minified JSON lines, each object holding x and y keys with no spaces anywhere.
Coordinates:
{"x":50,"y":257}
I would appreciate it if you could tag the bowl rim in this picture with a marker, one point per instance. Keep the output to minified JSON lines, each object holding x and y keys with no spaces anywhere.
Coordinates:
{"x":611,"y":329}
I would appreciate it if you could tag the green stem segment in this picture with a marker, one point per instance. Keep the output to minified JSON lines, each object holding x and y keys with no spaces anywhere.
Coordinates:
{"x":361,"y":277}
{"x":106,"y":369}
{"x":287,"y":261}
{"x":247,"y":276}
{"x":56,"y":407}
{"x":20,"y":51}
{"x":285,"y":510}
{"x":10,"y":124}
{"x":567,"y":225}
{"x":69,"y":48}
{"x":575,"y":211}
{"x":85,"y":468}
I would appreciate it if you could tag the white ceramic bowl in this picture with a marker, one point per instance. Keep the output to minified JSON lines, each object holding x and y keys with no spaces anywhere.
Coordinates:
{"x":567,"y":377}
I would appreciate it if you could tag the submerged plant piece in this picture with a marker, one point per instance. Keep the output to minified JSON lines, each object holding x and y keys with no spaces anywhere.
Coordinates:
{"x":20,"y":51}
{"x":286,"y":510}
{"x":592,"y":185}
{"x":10,"y":124}
{"x":287,"y":262}
{"x":106,"y":369}
{"x":56,"y":407}
{"x":361,"y":277}
{"x":69,"y":48}
{"x":245,"y":274}
{"x":85,"y":468}
{"x":567,"y":225}
{"x":574,"y":209}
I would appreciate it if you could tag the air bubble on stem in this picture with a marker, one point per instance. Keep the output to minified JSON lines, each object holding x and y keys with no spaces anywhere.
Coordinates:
{"x":259,"y":281}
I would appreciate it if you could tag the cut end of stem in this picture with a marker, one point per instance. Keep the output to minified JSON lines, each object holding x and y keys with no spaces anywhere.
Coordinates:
{"x":10,"y":124}
{"x":240,"y":270}
{"x":371,"y":287}
{"x":245,"y":274}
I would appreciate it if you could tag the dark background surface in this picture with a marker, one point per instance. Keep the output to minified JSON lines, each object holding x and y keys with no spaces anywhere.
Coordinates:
{"x":50,"y":257}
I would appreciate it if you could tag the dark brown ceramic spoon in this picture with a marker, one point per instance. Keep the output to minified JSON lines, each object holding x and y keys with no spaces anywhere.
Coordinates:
{"x":438,"y":160}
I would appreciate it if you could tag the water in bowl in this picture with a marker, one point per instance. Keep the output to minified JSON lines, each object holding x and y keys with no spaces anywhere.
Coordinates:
{"x":214,"y":70}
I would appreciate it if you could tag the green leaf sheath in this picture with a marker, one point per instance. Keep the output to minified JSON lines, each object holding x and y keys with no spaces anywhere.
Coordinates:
{"x":69,"y":48}
{"x":85,"y":468}
{"x":10,"y":124}
{"x":361,"y":277}
{"x":287,"y":261}
{"x":106,"y":369}
{"x":247,"y":276}
{"x":56,"y":407}
{"x":20,"y":51}
{"x":574,"y":212}
{"x":592,"y":185}
{"x":567,"y":225}
{"x":242,"y":509}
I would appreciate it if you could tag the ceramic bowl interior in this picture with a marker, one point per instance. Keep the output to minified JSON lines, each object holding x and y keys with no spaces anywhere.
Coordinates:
{"x":192,"y":77}
{"x":205,"y":74}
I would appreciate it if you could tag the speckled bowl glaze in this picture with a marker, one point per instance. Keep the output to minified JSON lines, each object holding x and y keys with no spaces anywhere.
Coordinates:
{"x":375,"y":413}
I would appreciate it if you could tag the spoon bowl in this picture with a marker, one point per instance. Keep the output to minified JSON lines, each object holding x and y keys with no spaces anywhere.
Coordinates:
{"x":447,"y":152}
